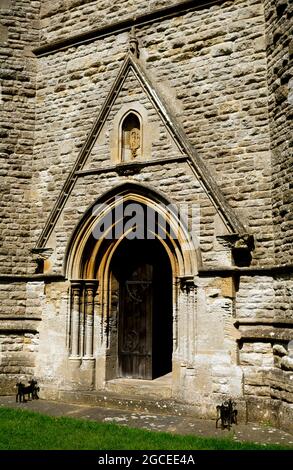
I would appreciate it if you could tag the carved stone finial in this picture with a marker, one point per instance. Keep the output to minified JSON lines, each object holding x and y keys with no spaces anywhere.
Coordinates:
{"x":133,"y":43}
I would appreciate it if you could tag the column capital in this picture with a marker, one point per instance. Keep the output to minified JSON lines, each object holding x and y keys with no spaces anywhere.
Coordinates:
{"x":91,"y":285}
{"x":76,"y":284}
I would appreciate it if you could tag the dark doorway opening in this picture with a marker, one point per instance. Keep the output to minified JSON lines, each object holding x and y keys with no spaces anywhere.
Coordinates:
{"x":145,"y":343}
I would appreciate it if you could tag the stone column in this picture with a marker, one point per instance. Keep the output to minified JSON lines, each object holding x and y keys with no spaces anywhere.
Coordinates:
{"x":187,"y":325}
{"x":184,"y":356}
{"x":75,"y":318}
{"x":90,"y":290}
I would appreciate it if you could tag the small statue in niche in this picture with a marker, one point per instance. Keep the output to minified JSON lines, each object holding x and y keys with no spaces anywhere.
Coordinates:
{"x":131,"y":137}
{"x":134,"y":141}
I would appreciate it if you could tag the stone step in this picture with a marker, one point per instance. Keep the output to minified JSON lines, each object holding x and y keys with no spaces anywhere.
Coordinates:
{"x":110,"y":399}
{"x":160,"y":388}
{"x":144,"y":403}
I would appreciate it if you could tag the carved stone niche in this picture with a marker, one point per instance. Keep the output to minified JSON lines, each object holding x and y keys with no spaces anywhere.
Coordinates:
{"x":129,"y":138}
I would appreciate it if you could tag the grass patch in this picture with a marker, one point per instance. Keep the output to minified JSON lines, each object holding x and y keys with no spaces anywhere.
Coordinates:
{"x":26,"y":430}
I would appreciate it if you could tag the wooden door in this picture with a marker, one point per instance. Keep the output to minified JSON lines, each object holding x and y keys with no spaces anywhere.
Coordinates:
{"x":135,"y":323}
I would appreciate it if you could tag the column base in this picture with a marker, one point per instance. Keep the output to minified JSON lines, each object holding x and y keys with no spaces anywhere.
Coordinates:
{"x":88,"y":362}
{"x":74,"y":363}
{"x":75,"y":360}
{"x":87,"y":372}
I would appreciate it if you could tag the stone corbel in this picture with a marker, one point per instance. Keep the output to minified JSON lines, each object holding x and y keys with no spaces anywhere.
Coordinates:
{"x":186,"y":283}
{"x":41,"y":258}
{"x":127,"y":169}
{"x":241,"y":246}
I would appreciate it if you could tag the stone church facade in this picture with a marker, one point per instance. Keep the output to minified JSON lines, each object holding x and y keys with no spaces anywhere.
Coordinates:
{"x":146,"y":214}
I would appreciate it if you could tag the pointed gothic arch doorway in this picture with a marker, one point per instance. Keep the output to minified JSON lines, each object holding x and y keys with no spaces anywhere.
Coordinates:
{"x":104,"y":252}
{"x":143,"y":272}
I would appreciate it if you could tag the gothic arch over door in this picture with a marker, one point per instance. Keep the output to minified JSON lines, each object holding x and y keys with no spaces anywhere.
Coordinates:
{"x":167,"y":257}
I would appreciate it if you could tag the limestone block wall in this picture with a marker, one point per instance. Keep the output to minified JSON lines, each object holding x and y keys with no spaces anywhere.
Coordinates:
{"x":205,"y":357}
{"x":19,"y":302}
{"x":209,"y":367}
{"x":29,"y":330}
{"x":210,"y":64}
{"x":224,"y":71}
{"x":57,"y":18}
{"x":264,"y":320}
{"x":52,"y":359}
{"x":283,"y":298}
{"x":255,"y":298}
{"x":256,"y":359}
{"x":279,"y":49}
{"x":265,"y":297}
{"x":18,"y":34}
{"x":20,"y":317}
{"x":214,"y":62}
{"x":18,"y":350}
{"x":278,"y":14}
{"x":174,"y":180}
{"x":13,"y":300}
